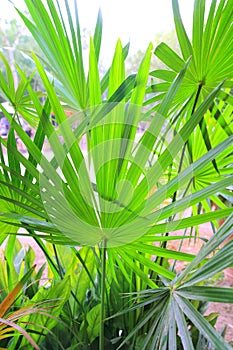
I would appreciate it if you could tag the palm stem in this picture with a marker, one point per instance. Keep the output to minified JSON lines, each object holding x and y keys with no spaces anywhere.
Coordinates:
{"x":164,"y":244}
{"x":103,"y":277}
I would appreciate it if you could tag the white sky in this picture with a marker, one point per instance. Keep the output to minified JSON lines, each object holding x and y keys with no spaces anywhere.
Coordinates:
{"x":134,"y":20}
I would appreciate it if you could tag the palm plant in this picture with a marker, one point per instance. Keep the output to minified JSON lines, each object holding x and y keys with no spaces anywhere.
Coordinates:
{"x":125,"y":195}
{"x":210,"y":49}
{"x":211,"y":63}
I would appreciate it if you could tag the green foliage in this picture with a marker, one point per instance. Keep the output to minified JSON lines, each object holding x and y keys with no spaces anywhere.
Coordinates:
{"x":59,"y":292}
{"x":122,"y":198}
{"x":210,"y":63}
{"x":22,"y":299}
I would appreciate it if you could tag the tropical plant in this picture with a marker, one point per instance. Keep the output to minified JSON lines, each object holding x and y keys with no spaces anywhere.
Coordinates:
{"x":123,"y":198}
{"x":12,"y":321}
{"x":211,"y":63}
{"x":27,"y":308}
{"x":8,"y":320}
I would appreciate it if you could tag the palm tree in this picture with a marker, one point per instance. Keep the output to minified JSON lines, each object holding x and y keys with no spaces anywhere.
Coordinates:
{"x":126,"y":195}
